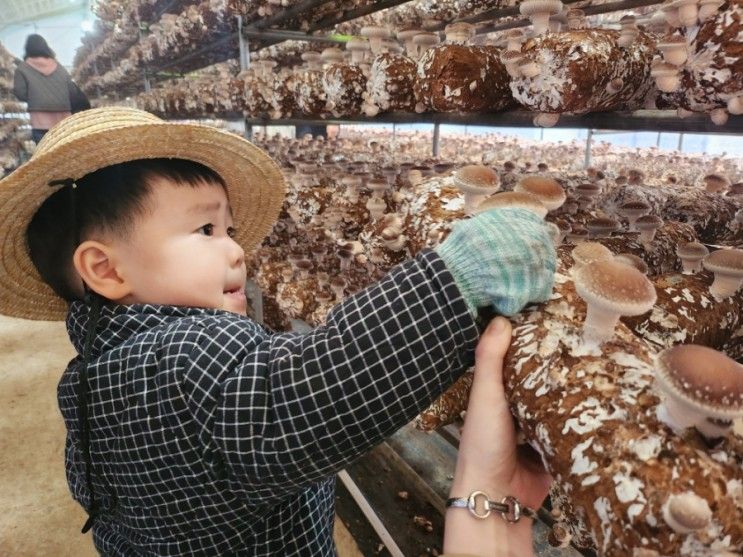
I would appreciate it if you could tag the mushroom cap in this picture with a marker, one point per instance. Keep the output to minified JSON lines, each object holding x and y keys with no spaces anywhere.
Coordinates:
{"x":511,"y":57}
{"x":615,"y":286}
{"x":704,"y":378}
{"x":477,"y":179}
{"x":634,"y":208}
{"x":332,"y":53}
{"x":426,"y":39}
{"x":587,"y":189}
{"x":577,"y":232}
{"x":304,"y":264}
{"x":686,"y":512}
{"x":424,"y":169}
{"x":375,"y":31}
{"x":408,"y":34}
{"x":716,"y":179}
{"x":726,"y":261}
{"x":588,"y":252}
{"x":649,"y":222}
{"x":692,"y":249}
{"x":663,"y":69}
{"x":311,"y":56}
{"x":634,"y":260}
{"x":460,"y":27}
{"x":530,"y":7}
{"x":377,"y":183}
{"x":338,"y":281}
{"x":512,"y":199}
{"x":357,"y":44}
{"x":548,"y":190}
{"x":602,"y":224}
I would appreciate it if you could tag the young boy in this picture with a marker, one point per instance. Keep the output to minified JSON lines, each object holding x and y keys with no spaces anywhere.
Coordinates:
{"x":190,"y":428}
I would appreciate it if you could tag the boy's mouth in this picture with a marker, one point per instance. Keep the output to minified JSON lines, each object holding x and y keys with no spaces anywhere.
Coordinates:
{"x":237,"y":290}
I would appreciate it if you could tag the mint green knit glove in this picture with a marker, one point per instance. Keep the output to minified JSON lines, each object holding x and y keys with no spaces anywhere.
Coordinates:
{"x":502,"y":258}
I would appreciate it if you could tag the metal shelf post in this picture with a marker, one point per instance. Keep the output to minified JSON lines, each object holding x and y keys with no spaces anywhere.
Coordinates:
{"x":589,"y":139}
{"x":243,"y":45}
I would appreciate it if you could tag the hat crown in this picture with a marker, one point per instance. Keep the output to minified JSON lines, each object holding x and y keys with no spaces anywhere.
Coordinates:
{"x":92,"y":121}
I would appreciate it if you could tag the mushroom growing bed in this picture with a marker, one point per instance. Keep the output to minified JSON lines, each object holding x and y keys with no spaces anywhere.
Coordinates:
{"x":590,"y":404}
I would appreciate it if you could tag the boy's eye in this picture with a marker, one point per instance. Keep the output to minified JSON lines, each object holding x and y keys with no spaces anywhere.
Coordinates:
{"x":231,"y":231}
{"x":207,"y":229}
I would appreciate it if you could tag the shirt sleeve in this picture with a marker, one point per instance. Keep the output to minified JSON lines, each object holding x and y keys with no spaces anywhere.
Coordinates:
{"x":296,"y":408}
{"x":20,"y":86}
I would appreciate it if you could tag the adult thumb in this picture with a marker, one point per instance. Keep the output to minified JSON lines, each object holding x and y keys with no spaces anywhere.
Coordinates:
{"x":490,"y":352}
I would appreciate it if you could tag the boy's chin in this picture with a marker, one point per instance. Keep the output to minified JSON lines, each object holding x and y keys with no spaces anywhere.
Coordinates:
{"x":238,"y":306}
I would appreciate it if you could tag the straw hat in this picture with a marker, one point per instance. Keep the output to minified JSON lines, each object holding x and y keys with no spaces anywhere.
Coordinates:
{"x":97,"y":138}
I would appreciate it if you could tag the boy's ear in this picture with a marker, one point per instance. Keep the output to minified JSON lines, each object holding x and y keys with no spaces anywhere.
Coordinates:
{"x":95,"y":262}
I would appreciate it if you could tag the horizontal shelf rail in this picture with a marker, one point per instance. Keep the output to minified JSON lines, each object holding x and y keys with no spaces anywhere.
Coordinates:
{"x":640,"y":120}
{"x":588,"y":10}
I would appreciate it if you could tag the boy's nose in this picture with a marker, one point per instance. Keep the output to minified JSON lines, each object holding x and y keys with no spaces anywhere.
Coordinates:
{"x":236,"y":253}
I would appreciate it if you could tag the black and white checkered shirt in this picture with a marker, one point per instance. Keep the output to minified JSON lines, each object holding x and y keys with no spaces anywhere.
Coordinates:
{"x":212,"y":436}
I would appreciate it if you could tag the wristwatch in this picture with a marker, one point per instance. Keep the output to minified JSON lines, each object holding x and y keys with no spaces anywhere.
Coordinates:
{"x":509,"y":507}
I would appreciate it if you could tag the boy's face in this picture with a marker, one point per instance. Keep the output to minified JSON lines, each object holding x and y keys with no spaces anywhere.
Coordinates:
{"x":181,"y":251}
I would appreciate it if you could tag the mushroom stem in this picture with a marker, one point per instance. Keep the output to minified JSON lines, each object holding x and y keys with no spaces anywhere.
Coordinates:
{"x":691,"y":266}
{"x":724,"y":285}
{"x":541,"y":22}
{"x":471,"y":201}
{"x":647,"y":236}
{"x":599,"y":325}
{"x":676,"y":415}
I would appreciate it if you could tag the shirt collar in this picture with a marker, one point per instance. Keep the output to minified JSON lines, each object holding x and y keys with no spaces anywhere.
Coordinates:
{"x":118,"y":323}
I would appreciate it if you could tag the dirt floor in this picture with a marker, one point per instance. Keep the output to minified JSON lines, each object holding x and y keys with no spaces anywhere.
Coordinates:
{"x":40,"y":517}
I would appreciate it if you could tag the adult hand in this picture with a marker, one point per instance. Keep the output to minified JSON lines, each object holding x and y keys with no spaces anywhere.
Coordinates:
{"x":490,"y":461}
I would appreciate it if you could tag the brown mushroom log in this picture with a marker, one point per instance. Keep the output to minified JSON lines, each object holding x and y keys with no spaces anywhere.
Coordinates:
{"x":687,"y":313}
{"x":592,"y":417}
{"x":390,"y":85}
{"x":577,"y":67}
{"x":344,"y":86}
{"x":448,"y":407}
{"x":709,"y":214}
{"x":713,"y":73}
{"x":660,"y":256}
{"x":458,"y":78}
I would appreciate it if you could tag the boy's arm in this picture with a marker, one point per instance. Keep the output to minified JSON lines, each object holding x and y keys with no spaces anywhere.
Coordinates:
{"x":298,"y":408}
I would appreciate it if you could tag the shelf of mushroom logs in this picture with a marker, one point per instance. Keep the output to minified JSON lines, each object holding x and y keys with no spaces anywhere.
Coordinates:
{"x":632,"y":419}
{"x":182,"y":36}
{"x":679,"y":68}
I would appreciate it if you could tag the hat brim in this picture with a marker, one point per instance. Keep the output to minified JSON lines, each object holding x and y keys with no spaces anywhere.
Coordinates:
{"x":254,"y":183}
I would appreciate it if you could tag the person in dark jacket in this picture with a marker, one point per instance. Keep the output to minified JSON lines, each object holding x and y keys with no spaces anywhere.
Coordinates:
{"x":44,"y":84}
{"x":192,"y":429}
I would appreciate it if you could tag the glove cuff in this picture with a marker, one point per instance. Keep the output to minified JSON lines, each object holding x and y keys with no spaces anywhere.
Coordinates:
{"x":465,"y":270}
